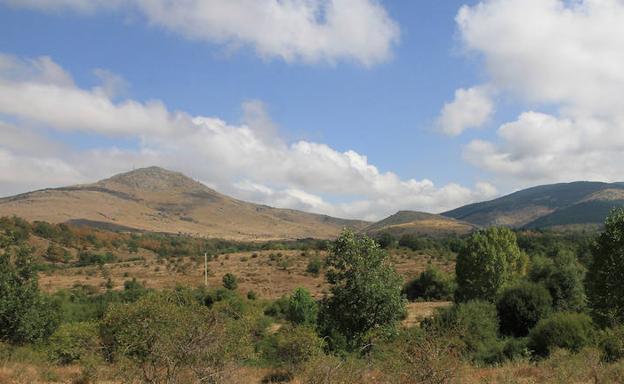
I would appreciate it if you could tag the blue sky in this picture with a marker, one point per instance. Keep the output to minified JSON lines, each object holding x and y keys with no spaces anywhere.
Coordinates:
{"x":388,"y":109}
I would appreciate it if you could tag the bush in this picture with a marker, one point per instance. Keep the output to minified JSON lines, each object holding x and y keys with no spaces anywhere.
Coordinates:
{"x":230,"y":281}
{"x":314,"y":266}
{"x":73,"y":342}
{"x":251,"y":295}
{"x":566,"y":330}
{"x":489,"y":261}
{"x":278,"y":308}
{"x":475,"y":323}
{"x":612,"y":343}
{"x":292,"y":346}
{"x":521,"y":307}
{"x":302,"y":308}
{"x":432,"y":284}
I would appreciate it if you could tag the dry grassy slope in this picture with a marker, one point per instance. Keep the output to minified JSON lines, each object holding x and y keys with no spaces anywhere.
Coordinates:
{"x":419,"y":223}
{"x":155,"y":199}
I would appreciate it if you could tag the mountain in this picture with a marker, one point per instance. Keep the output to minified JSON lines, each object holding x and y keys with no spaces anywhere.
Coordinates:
{"x":419,"y":223}
{"x":155,"y":199}
{"x":575,"y":204}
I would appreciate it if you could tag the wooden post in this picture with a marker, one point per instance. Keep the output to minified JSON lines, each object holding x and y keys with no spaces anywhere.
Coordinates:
{"x":206,"y":269}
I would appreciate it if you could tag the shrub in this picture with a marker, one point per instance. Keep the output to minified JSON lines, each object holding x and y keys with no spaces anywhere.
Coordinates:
{"x":475,"y":323}
{"x":73,"y":342}
{"x":488,"y":262}
{"x":314,"y":266}
{"x":292,"y":346}
{"x":521,"y":307}
{"x":566,"y":330}
{"x":432,"y":284}
{"x":278,"y":308}
{"x":230,"y":281}
{"x":25,"y":314}
{"x":251,"y":295}
{"x":302,"y":308}
{"x":612,"y":343}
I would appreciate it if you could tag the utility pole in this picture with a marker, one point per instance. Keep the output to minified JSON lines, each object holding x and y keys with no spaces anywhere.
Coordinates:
{"x":206,"y":269}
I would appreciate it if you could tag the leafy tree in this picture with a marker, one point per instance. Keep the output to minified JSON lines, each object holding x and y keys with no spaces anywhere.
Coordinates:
{"x":365,"y":291}
{"x":489,"y":261}
{"x":74,"y":341}
{"x":567,"y":330}
{"x":521,"y":307}
{"x":25,"y":314}
{"x":563,"y":276}
{"x":302,"y":308}
{"x":431,"y":284}
{"x":230,"y":281}
{"x":606,"y":273}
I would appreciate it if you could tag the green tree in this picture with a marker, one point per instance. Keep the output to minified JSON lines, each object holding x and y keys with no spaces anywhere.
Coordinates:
{"x":571,"y":331}
{"x":521,"y":307}
{"x":25,"y":314}
{"x":302,"y":308}
{"x":230,"y":281}
{"x":563,"y":276}
{"x":489,"y":261}
{"x":605,"y":290}
{"x":365,"y":292}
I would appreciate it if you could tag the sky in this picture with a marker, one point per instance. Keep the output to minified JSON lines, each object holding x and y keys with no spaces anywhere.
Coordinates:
{"x":353,"y":108}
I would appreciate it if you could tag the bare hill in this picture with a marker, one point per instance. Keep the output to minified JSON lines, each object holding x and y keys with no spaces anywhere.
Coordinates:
{"x":419,"y":223}
{"x":155,"y":199}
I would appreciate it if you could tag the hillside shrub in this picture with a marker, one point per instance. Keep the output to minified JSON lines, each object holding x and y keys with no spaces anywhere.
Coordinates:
{"x":566,"y":330}
{"x":230,"y":281}
{"x":73,"y":342}
{"x":432,"y":284}
{"x":476,"y":325}
{"x":302,"y":308}
{"x":489,"y":261}
{"x":612,"y":343}
{"x":292,"y":346}
{"x":314,"y":266}
{"x":521,"y":307}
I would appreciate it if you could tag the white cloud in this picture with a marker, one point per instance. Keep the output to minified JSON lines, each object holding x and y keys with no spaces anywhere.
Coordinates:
{"x":561,"y":56}
{"x":248,"y":161}
{"x":309,"y":31}
{"x":471,"y":108}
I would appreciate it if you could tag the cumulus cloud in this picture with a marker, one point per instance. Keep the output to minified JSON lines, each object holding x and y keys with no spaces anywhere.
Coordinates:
{"x":309,"y":31}
{"x":249,"y":160}
{"x":561,"y":56}
{"x":471,"y":108}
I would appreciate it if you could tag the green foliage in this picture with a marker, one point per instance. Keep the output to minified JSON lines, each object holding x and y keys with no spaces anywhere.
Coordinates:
{"x":489,"y":261}
{"x":230,"y":281}
{"x":612,"y":343}
{"x":163,"y":334}
{"x":90,"y":258}
{"x":475,"y":323}
{"x":73,"y":342}
{"x":302,"y":308}
{"x":571,"y":331}
{"x":251,"y":295}
{"x":25,"y":314}
{"x":278,"y":308}
{"x":605,"y":276}
{"x":521,"y":307}
{"x":386,"y":240}
{"x":563,"y":276}
{"x":314,"y":266}
{"x":292,"y":345}
{"x":432,"y":284}
{"x":365,"y":291}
